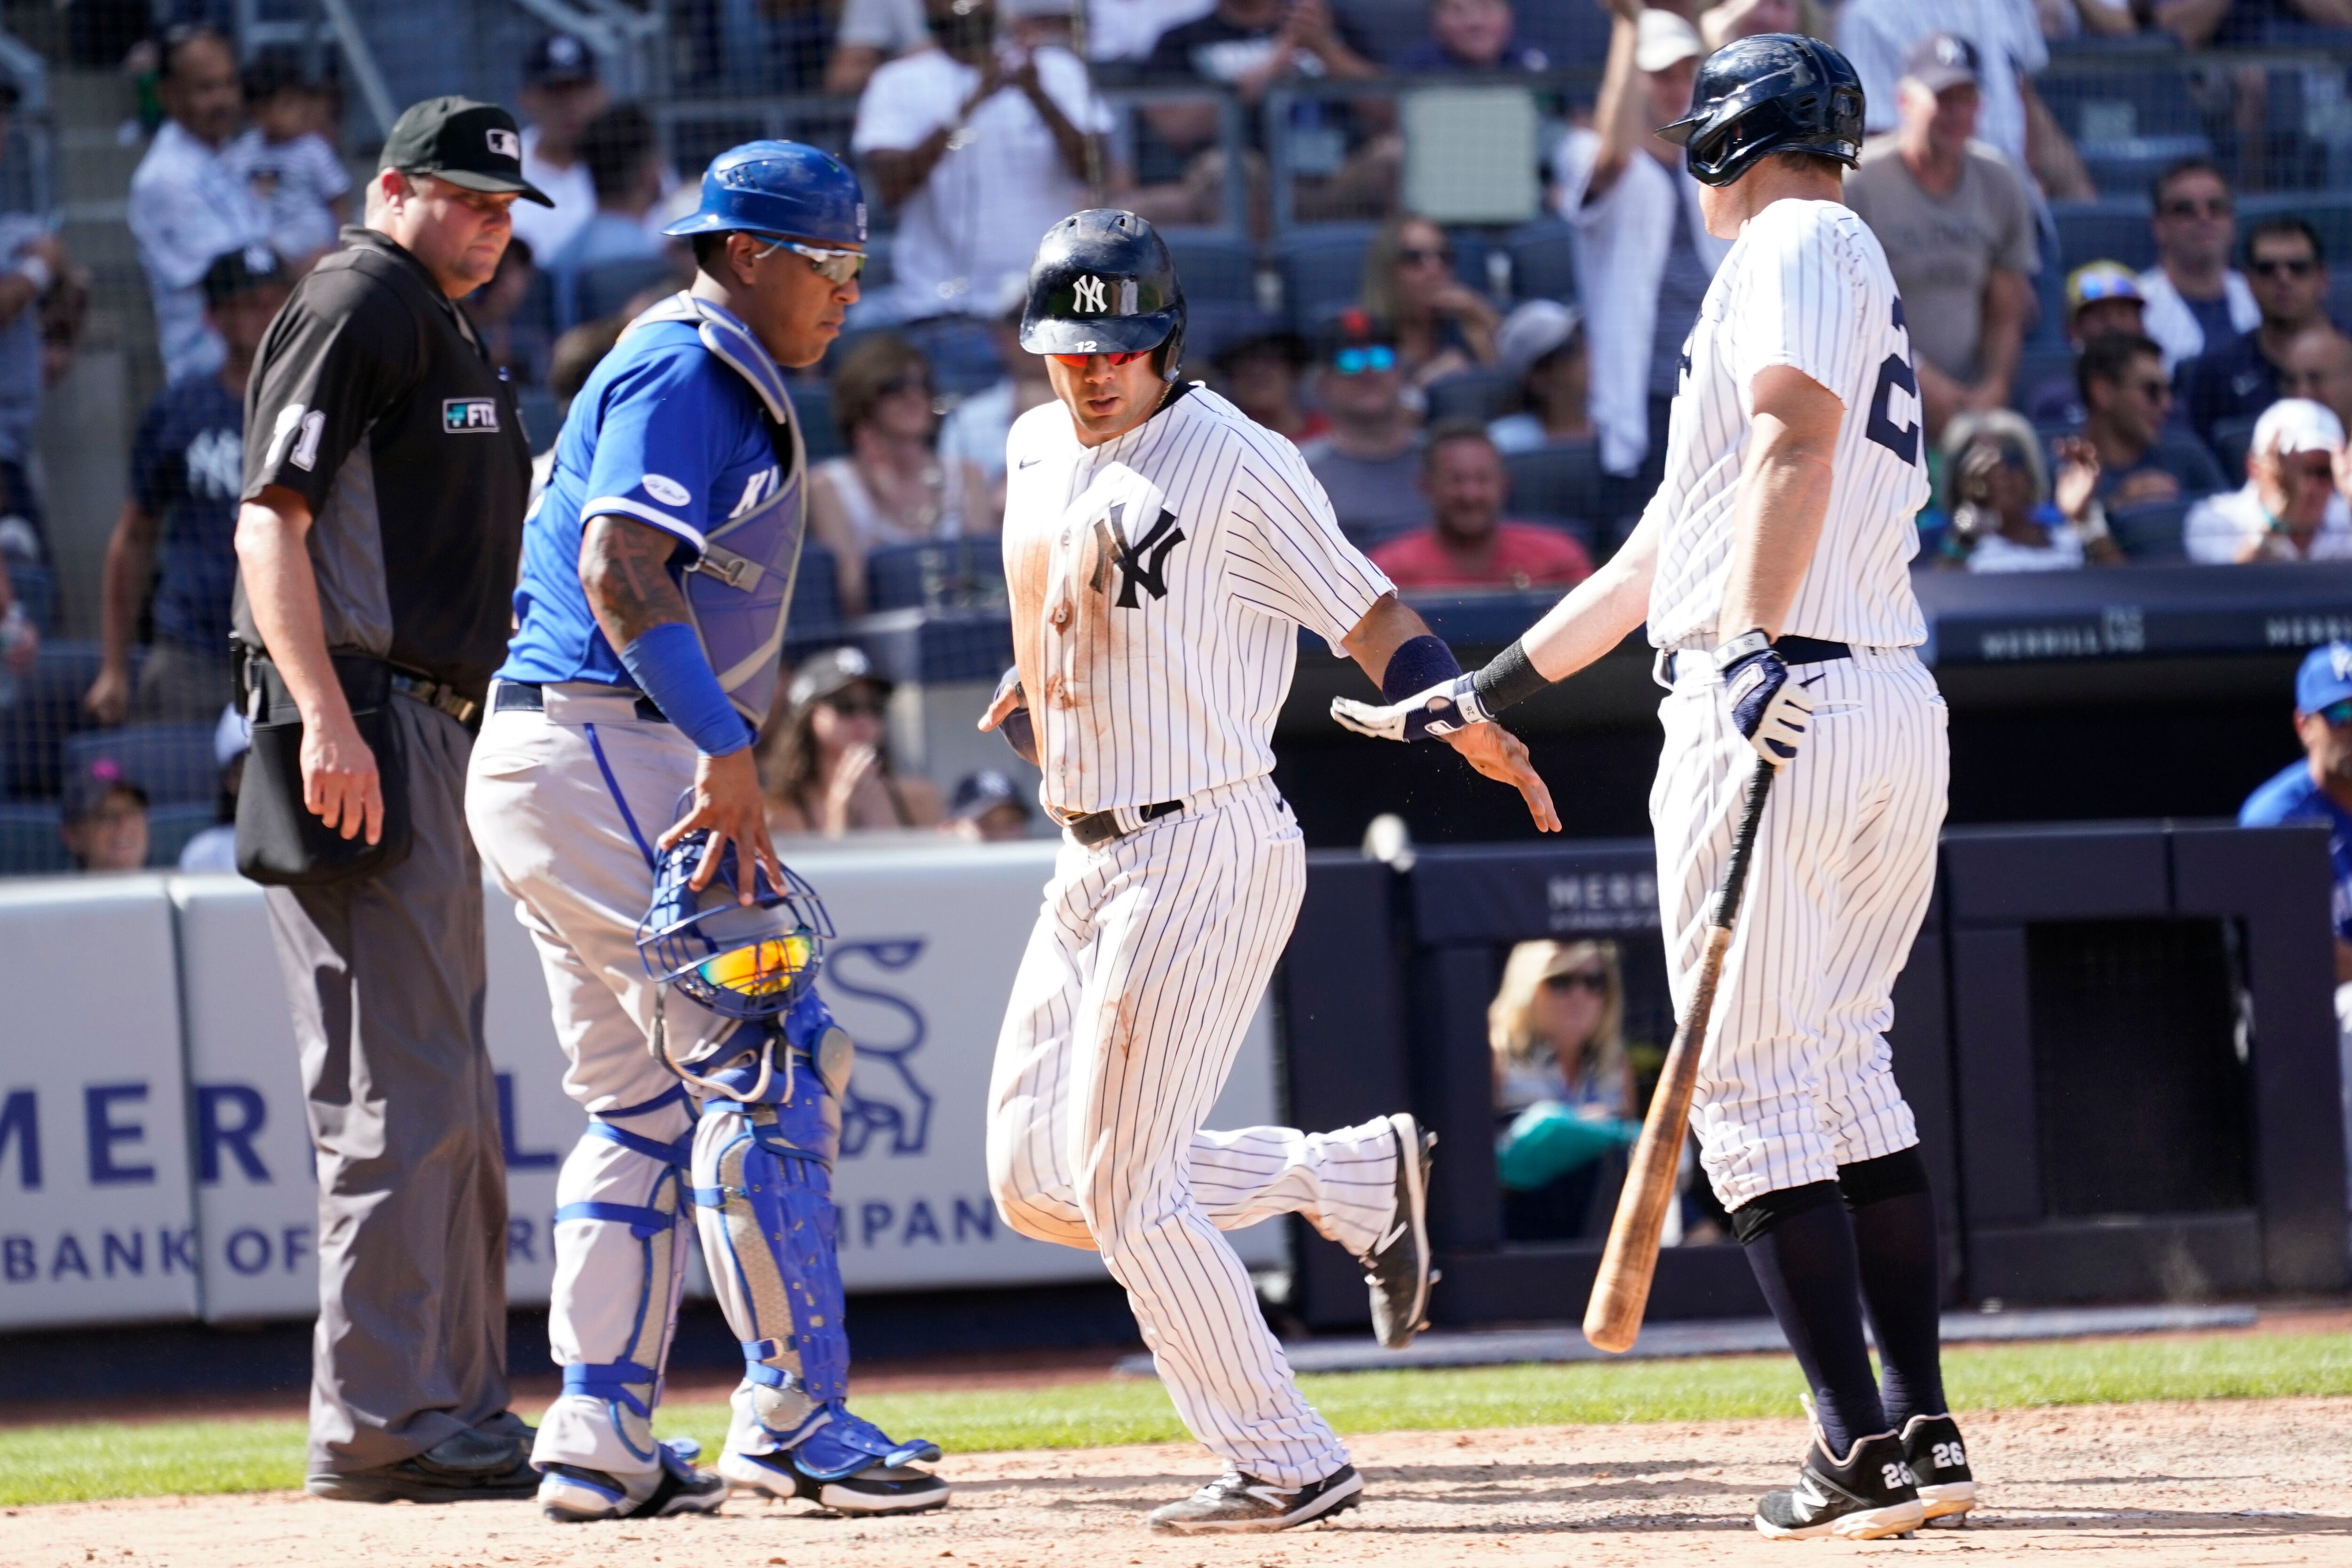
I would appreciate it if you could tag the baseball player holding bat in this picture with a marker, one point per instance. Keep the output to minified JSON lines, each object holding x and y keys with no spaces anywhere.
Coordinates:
{"x":1771,"y":568}
{"x":1162,"y":553}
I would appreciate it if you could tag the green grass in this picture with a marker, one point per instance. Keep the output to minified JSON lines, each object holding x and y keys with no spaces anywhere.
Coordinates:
{"x":60,"y":1464}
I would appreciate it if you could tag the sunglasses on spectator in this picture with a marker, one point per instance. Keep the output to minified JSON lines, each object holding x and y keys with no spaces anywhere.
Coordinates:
{"x":2275,"y":267}
{"x":2218,"y":206}
{"x":835,"y":267}
{"x":1418,"y":255}
{"x":855,"y":707}
{"x":2337,"y":714}
{"x":1356,"y":361}
{"x":1590,"y":981}
{"x":1079,"y":361}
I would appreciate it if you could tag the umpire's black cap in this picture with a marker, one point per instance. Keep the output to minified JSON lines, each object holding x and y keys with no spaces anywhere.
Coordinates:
{"x":476,"y":145}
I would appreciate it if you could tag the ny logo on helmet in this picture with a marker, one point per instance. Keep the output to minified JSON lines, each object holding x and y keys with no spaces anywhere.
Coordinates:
{"x":1143,"y":563}
{"x":1092,"y":296}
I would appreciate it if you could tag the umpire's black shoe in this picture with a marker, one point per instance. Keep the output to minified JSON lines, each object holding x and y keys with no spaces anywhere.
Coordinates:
{"x":1397,"y":1267}
{"x":468,"y":1467}
{"x":1868,"y":1495}
{"x":1940,"y":1463}
{"x":1237,"y":1504}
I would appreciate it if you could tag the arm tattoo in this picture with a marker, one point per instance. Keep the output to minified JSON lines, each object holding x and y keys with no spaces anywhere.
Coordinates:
{"x":623,"y":565}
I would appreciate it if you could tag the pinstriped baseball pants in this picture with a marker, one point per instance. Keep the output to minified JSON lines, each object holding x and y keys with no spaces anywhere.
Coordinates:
{"x":1148,"y":960}
{"x":1795,"y":1078}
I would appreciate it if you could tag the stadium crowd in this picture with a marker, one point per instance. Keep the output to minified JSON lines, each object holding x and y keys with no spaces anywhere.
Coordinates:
{"x":1485,"y":408}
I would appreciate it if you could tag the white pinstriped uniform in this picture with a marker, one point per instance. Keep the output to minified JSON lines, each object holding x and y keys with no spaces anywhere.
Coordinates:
{"x":1796,"y":1079}
{"x":1154,"y":667}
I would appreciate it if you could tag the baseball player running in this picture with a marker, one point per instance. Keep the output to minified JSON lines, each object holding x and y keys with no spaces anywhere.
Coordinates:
{"x":1771,"y":569}
{"x":657,"y":568}
{"x":1160,"y":551}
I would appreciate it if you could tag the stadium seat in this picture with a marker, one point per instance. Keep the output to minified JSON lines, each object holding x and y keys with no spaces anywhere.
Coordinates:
{"x":1215,"y":325}
{"x":1582,"y":530}
{"x":541,"y":418}
{"x":36,"y":588}
{"x":2035,"y":365}
{"x":942,"y":574}
{"x":2231,"y":437}
{"x":1385,"y":29}
{"x":1543,"y":261}
{"x":2329,"y":214}
{"x":29,"y":845}
{"x":2151,"y":533}
{"x":1572,"y":35}
{"x":1322,"y":271}
{"x":961,"y":352}
{"x":813,"y":402}
{"x":1214,"y":267}
{"x":816,"y":597}
{"x":169,"y":829}
{"x":48,"y":709}
{"x":598,"y":291}
{"x":1469,"y":394}
{"x":1559,"y":480}
{"x":173,"y":763}
{"x":2112,"y":228}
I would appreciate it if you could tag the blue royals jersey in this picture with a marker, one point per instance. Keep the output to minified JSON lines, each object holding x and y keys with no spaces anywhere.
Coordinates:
{"x":2291,"y":796}
{"x":664,"y":432}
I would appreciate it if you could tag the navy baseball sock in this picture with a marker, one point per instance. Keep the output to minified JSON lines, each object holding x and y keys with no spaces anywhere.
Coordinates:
{"x":1801,"y":1244}
{"x":1902,"y":1277}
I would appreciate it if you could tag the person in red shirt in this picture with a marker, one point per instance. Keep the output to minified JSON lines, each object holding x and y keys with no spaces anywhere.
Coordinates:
{"x":1469,"y":545}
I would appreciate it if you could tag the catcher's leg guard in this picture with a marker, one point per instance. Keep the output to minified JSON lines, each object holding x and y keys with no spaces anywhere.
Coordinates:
{"x":763,"y":1191}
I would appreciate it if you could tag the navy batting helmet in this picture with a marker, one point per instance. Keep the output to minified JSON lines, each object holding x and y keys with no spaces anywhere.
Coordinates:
{"x":780,"y":188}
{"x":747,"y":962}
{"x":1775,"y":92}
{"x":1103,"y":282}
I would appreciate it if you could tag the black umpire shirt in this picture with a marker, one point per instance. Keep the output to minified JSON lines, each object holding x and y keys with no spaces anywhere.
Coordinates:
{"x":371,"y":399}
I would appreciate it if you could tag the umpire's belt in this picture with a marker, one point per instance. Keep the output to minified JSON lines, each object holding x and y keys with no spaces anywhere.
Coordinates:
{"x":529,"y":697}
{"x":1793,"y":651}
{"x":437,"y":694}
{"x":1097,"y":829}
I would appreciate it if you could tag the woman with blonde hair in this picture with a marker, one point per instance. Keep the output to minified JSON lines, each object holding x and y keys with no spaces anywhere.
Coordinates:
{"x":1441,"y":325}
{"x":1555,"y":1028}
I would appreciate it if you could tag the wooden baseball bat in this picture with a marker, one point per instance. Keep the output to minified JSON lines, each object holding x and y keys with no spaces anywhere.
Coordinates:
{"x":1621,"y":1289}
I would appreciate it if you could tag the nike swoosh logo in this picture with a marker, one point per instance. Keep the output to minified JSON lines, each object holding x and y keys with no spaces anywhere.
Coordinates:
{"x":1028,"y":462}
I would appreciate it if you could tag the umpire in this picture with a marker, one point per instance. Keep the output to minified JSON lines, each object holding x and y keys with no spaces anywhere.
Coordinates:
{"x":385,"y":479}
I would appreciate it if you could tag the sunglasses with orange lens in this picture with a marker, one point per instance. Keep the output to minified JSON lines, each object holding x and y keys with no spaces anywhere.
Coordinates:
{"x":1080,"y":360}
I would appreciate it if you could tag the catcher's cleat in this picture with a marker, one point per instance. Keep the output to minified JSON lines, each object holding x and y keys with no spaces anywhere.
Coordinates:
{"x":1237,"y":1504}
{"x":845,"y":1464}
{"x":1940,"y":1463}
{"x":1868,"y":1494}
{"x":465,"y":1467}
{"x":574,"y":1494}
{"x":1397,"y":1267}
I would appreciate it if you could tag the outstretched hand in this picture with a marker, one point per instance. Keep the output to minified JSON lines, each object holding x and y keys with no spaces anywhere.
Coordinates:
{"x":1503,"y":757}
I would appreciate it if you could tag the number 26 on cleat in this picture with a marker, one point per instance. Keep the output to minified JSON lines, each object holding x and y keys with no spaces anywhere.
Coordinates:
{"x":1949,"y":1456}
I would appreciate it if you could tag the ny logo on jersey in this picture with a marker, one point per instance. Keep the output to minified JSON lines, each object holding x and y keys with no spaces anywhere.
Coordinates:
{"x":1142,"y":564}
{"x":215,"y":464}
{"x":1092,"y":297}
{"x":758,"y":490}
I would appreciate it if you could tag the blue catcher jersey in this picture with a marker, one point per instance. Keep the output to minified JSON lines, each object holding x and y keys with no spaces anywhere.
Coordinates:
{"x":683,"y":427}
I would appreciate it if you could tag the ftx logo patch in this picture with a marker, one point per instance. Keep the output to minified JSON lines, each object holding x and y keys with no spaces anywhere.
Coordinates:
{"x":469,"y":415}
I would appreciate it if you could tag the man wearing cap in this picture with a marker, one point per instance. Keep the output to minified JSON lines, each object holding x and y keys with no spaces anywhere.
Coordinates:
{"x":987,"y":808}
{"x":187,"y":470}
{"x":2289,"y":509}
{"x":1540,"y":352}
{"x":104,"y":825}
{"x":1958,"y":230}
{"x":1368,"y":461}
{"x":2102,"y":297}
{"x":1643,"y":258}
{"x":1878,"y":35}
{"x":385,"y":477}
{"x":2317,"y":787}
{"x":562,"y":96}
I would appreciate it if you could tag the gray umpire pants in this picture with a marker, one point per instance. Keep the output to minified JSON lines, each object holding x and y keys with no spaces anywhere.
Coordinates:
{"x":385,"y":977}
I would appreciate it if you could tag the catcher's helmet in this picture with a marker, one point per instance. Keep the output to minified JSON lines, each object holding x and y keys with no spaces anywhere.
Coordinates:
{"x":778,"y":188}
{"x":1103,"y":282}
{"x":1775,"y":92}
{"x":745,"y":962}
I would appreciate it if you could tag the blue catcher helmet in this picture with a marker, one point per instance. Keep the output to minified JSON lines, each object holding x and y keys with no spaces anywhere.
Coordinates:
{"x":780,"y":188}
{"x":747,"y":962}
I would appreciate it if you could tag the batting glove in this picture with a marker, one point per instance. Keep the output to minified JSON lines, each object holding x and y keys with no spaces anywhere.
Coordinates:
{"x":1444,"y":708}
{"x":1769,"y":708}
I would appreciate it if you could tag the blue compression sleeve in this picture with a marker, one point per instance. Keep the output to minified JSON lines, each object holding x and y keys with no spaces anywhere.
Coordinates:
{"x":1418,"y":664}
{"x":668,"y":664}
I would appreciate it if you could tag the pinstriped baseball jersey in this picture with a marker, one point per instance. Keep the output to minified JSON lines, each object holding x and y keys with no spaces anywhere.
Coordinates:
{"x":1155,"y":582}
{"x":1806,"y":285}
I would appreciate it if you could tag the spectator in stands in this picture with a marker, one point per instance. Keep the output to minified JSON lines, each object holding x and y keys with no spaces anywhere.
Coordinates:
{"x":1998,"y":495}
{"x":1958,"y":227}
{"x":2288,"y":274}
{"x":2102,"y":298}
{"x":2127,"y":399}
{"x":1643,"y":258}
{"x":1368,"y":461}
{"x":292,"y":171}
{"x":2289,"y":509}
{"x":187,"y":204}
{"x":187,"y":470}
{"x":828,"y":765}
{"x":2318,"y":365}
{"x":2195,"y":298}
{"x":576,"y":355}
{"x":42,"y":296}
{"x":1541,"y":352}
{"x":979,"y":150}
{"x":974,"y":430}
{"x":891,"y":487}
{"x":1723,"y":20}
{"x":2317,"y":786}
{"x":561,"y":94}
{"x":105,"y":820}
{"x":871,"y":31}
{"x":1555,"y":1027}
{"x":1468,"y":543}
{"x":1472,"y":36}
{"x":1260,"y":377}
{"x":623,"y":166}
{"x":1441,"y":326}
{"x":214,"y":848}
{"x":986,"y":808}
{"x":515,"y":337}
{"x":1880,"y":35}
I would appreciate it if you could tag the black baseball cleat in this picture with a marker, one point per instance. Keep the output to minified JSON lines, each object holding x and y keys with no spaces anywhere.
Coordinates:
{"x":1397,"y":1267}
{"x":472,"y":1465}
{"x":1868,"y":1495}
{"x":1235,"y":1504}
{"x":574,"y":1494}
{"x":1939,"y":1464}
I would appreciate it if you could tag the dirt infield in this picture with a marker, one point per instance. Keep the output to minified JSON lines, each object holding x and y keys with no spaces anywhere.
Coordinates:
{"x":2222,"y":1482}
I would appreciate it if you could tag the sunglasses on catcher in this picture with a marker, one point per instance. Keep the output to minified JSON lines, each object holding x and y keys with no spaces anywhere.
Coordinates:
{"x":835,"y":267}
